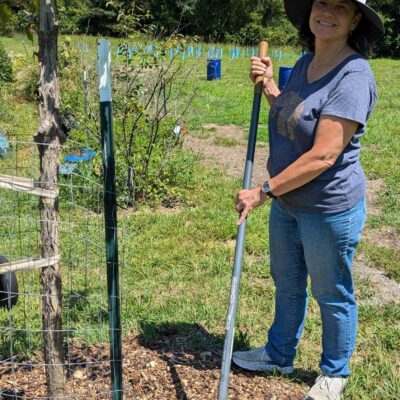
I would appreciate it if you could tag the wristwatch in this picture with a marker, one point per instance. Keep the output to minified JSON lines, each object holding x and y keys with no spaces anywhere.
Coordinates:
{"x":265,"y":188}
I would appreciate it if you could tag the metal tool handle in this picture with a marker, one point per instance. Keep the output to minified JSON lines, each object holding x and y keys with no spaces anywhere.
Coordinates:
{"x":235,"y":283}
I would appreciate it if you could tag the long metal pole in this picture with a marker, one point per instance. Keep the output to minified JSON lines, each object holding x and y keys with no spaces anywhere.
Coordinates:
{"x":110,"y":213}
{"x":237,"y":266}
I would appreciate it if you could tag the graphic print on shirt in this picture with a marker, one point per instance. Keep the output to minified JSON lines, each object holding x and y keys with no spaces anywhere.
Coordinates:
{"x":286,"y":111}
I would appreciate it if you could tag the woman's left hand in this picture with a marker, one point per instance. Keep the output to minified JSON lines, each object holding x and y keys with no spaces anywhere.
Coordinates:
{"x":247,"y":200}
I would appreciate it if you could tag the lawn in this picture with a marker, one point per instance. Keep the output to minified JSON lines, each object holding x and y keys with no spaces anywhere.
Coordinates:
{"x":176,"y":263}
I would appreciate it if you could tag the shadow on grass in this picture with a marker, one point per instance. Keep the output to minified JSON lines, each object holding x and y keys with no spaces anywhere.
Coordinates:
{"x":190,"y":344}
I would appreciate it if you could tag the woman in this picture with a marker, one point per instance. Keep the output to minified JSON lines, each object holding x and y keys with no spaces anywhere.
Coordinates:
{"x":317,"y":185}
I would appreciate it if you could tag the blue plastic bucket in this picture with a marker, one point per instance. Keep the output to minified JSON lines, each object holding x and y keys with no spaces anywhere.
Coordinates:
{"x":284,"y":73}
{"x":213,"y":69}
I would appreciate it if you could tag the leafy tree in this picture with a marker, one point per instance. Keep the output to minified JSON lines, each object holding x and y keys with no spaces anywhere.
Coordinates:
{"x":390,"y":13}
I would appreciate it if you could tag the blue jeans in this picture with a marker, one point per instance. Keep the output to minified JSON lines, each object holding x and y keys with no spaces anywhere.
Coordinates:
{"x":322,"y":246}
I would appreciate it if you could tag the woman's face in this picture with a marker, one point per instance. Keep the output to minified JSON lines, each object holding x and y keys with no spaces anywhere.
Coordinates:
{"x":333,"y":19}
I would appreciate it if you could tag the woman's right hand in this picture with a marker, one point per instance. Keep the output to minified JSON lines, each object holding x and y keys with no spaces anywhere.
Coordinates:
{"x":261,"y":67}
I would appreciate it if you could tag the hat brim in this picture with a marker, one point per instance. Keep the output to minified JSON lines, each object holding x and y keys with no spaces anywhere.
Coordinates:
{"x":298,"y":12}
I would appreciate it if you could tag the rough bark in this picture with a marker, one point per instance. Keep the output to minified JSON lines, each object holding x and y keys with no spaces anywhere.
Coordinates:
{"x":49,"y":138}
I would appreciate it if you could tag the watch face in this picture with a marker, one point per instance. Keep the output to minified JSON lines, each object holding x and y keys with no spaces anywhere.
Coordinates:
{"x":265,"y":187}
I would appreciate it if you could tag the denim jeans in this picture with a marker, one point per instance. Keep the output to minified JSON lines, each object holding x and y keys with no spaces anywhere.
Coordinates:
{"x":321,"y":246}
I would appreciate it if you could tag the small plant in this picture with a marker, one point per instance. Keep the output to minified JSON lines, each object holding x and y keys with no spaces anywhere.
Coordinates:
{"x":6,"y":70}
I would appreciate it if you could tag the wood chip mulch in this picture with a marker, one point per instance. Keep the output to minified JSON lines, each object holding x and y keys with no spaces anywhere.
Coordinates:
{"x":165,"y":368}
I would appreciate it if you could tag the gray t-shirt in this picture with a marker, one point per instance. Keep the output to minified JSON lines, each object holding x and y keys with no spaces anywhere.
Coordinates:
{"x":348,"y":91}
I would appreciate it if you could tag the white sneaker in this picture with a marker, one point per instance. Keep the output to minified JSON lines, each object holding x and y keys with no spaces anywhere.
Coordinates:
{"x":258,"y":360}
{"x":327,"y":388}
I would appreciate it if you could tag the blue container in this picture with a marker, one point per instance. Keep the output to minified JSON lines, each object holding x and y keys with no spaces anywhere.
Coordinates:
{"x":284,"y":73}
{"x":213,"y":69}
{"x":4,"y":145}
{"x":85,"y":155}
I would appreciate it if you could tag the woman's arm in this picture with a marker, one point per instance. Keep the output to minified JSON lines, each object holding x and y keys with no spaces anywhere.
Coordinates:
{"x":332,"y":136}
{"x":271,"y":90}
{"x":263,"y":67}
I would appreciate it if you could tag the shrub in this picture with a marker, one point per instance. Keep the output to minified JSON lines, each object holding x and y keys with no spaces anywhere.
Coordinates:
{"x":6,"y":70}
{"x":150,"y":165}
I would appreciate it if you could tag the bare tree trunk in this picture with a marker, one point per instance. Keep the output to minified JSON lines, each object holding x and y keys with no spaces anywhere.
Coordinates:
{"x":49,"y":138}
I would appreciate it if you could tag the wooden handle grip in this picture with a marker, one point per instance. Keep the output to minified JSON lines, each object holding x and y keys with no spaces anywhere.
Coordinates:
{"x":262,"y":52}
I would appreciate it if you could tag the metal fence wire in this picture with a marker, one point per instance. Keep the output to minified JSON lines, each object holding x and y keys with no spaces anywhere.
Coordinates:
{"x":84,"y":279}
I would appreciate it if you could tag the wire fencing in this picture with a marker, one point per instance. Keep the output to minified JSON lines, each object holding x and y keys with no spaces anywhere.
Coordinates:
{"x":84,"y":281}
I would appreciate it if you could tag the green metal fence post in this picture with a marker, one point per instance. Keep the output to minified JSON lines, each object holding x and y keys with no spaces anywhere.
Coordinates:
{"x":110,"y":213}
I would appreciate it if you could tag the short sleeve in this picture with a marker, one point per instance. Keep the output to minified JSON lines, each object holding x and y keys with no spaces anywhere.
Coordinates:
{"x":353,"y":98}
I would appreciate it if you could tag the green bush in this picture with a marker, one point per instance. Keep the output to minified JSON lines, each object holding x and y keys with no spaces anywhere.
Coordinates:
{"x":6,"y":70}
{"x":283,"y":35}
{"x":8,"y":27}
{"x":150,"y":165}
{"x":251,"y":33}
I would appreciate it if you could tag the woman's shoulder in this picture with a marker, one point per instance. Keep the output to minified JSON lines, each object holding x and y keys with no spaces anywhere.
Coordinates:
{"x":354,"y":74}
{"x":305,"y":59}
{"x":356,"y":63}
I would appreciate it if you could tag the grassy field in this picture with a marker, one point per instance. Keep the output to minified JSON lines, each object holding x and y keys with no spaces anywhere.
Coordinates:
{"x":177,"y":263}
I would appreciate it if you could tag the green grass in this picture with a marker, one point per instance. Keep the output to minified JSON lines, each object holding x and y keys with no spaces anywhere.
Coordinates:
{"x":176,"y":265}
{"x":384,"y":258}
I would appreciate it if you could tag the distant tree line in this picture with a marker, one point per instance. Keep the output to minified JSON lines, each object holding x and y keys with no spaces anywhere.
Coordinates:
{"x":238,"y":21}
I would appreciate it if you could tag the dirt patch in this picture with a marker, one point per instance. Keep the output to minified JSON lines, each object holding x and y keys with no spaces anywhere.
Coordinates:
{"x":232,"y":161}
{"x":165,"y":368}
{"x":383,"y":237}
{"x":385,"y":290}
{"x":230,"y":158}
{"x":374,"y":187}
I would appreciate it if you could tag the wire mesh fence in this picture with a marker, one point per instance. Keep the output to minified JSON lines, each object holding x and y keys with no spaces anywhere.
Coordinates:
{"x":84,"y":282}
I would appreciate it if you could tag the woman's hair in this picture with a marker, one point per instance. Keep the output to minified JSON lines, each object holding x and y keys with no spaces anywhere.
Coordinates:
{"x":357,"y":39}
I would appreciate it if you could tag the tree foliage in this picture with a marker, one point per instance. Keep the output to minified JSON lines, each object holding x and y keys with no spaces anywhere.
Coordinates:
{"x":390,"y":13}
{"x":241,"y":21}
{"x":6,"y":71}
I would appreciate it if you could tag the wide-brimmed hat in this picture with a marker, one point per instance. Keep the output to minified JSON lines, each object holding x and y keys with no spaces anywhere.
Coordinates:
{"x":298,"y":12}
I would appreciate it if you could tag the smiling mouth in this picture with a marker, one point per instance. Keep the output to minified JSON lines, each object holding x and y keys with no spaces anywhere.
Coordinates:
{"x":326,"y":24}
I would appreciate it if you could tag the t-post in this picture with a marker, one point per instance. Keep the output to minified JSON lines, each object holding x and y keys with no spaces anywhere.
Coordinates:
{"x":110,"y":215}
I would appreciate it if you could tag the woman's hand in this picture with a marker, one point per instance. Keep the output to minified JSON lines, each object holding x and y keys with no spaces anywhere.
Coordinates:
{"x":247,"y":200}
{"x":261,"y":67}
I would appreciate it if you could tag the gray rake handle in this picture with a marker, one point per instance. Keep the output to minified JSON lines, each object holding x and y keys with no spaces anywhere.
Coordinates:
{"x":237,"y":266}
